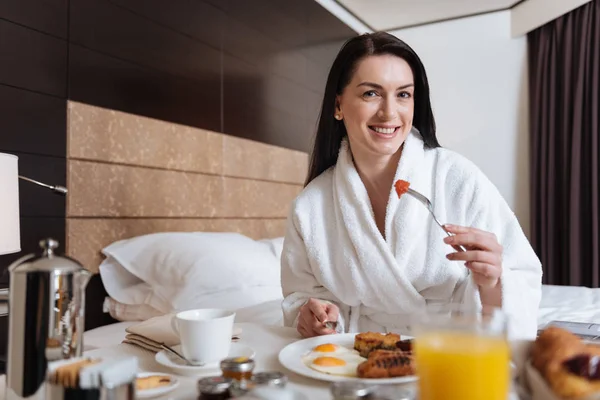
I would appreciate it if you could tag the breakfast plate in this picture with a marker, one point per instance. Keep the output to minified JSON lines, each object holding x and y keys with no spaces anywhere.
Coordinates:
{"x":153,"y":384}
{"x":179,"y":366}
{"x":297,"y":355}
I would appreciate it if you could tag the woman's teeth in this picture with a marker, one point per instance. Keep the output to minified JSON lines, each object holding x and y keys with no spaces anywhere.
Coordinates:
{"x":385,"y":131}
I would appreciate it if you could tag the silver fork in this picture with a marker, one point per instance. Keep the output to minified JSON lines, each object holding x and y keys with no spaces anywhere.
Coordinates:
{"x":429,"y":206}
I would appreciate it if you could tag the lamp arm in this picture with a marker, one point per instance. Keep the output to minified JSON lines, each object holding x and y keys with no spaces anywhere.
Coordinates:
{"x":57,"y":188}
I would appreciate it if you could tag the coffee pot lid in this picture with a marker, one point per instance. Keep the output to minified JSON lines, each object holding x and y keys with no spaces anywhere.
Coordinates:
{"x":48,"y":261}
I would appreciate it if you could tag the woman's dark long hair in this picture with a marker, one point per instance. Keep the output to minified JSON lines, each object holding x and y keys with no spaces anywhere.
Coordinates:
{"x":330,"y":131}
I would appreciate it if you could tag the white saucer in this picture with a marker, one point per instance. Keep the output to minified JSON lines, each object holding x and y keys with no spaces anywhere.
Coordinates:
{"x":144,"y":394}
{"x":179,"y":366}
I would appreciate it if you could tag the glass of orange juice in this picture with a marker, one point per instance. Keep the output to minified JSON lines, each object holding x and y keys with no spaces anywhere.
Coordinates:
{"x":461,"y":353}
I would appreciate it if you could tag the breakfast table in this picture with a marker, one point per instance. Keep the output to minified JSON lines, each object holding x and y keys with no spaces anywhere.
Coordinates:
{"x":267,"y":341}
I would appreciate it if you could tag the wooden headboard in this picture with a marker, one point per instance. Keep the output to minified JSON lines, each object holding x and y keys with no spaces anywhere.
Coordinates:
{"x":129,"y":175}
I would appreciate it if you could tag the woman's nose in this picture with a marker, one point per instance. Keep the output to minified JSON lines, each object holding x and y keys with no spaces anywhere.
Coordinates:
{"x":387,"y":111}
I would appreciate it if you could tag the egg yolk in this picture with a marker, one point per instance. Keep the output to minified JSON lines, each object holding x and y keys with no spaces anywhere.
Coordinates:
{"x":326,"y":348}
{"x":329,"y":362}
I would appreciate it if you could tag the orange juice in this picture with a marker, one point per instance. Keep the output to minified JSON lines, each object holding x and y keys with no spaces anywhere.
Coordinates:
{"x":462,"y":366}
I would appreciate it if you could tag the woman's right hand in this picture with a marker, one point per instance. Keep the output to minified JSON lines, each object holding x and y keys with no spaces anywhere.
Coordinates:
{"x":313,"y":315}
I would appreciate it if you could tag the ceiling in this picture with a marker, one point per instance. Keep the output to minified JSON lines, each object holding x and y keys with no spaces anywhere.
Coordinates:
{"x":387,"y":15}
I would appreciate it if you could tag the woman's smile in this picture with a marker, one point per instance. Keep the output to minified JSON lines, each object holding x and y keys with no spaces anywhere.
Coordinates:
{"x":384,"y":131}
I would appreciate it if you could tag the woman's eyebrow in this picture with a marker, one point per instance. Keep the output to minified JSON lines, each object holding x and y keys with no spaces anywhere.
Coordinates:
{"x":377,"y":86}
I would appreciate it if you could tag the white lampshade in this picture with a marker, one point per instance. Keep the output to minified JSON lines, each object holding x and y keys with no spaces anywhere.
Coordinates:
{"x":10,"y":235}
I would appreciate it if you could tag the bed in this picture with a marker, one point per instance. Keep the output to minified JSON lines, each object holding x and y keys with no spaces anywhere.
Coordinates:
{"x":569,"y":303}
{"x":135,"y":181}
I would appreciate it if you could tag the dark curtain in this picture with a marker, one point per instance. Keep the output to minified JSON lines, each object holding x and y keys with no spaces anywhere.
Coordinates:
{"x":564,"y":79}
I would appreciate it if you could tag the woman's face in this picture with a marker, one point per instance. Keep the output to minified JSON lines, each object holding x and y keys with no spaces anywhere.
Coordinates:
{"x":377,"y":105}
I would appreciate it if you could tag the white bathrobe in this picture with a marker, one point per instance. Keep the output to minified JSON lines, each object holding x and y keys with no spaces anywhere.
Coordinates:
{"x":333,"y":250}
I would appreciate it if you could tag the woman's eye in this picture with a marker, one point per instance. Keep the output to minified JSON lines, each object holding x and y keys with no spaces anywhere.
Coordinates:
{"x":370,"y":93}
{"x":404,"y":95}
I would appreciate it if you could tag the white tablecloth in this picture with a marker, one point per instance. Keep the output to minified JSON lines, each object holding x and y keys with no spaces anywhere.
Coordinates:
{"x":267,"y":341}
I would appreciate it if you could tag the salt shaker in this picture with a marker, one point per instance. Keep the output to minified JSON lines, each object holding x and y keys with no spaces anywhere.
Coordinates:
{"x":351,"y":390}
{"x":275,"y":379}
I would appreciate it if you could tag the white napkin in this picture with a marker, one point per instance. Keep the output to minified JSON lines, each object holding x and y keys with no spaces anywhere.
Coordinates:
{"x":143,"y":342}
{"x":150,"y":334}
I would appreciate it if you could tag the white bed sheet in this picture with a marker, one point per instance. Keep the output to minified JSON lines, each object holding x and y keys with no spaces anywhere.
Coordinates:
{"x":267,"y":313}
{"x":569,"y":303}
{"x":563,"y":303}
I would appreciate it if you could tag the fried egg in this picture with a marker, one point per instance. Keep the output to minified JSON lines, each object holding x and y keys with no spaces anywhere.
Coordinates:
{"x":329,"y":348}
{"x":333,"y":359}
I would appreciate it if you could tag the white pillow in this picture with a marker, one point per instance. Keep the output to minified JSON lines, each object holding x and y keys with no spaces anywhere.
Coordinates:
{"x":275,"y":245}
{"x":177,"y":271}
{"x":128,"y":312}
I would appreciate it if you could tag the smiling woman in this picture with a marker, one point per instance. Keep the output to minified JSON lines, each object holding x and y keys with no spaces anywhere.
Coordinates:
{"x":378,"y":115}
{"x":358,"y":254}
{"x":373,"y":73}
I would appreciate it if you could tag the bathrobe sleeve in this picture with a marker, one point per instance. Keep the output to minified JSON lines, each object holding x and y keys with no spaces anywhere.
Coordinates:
{"x":298,"y":280}
{"x":521,"y":268}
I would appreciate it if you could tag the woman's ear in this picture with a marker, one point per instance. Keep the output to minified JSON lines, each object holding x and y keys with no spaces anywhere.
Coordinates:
{"x":338,"y":111}
{"x":337,"y":104}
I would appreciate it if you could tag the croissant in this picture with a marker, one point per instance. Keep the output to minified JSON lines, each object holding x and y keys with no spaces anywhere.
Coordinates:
{"x":571,"y":367}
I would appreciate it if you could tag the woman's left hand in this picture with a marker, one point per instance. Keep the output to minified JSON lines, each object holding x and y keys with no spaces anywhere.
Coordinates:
{"x":483,"y":256}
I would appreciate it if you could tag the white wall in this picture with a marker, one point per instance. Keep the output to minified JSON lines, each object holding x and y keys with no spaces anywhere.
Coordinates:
{"x":478,"y":78}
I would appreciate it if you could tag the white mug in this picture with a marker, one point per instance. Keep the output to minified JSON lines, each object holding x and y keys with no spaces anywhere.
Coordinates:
{"x":205,"y":334}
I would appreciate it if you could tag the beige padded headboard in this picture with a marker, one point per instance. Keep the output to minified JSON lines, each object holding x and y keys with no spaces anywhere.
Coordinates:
{"x":129,"y":175}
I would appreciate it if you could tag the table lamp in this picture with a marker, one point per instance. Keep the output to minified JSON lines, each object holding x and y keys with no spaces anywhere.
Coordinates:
{"x":10,"y":236}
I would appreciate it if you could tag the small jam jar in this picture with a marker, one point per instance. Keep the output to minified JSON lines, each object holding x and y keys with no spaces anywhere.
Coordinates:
{"x":239,"y":369}
{"x":214,"y":388}
{"x":276,"y":379}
